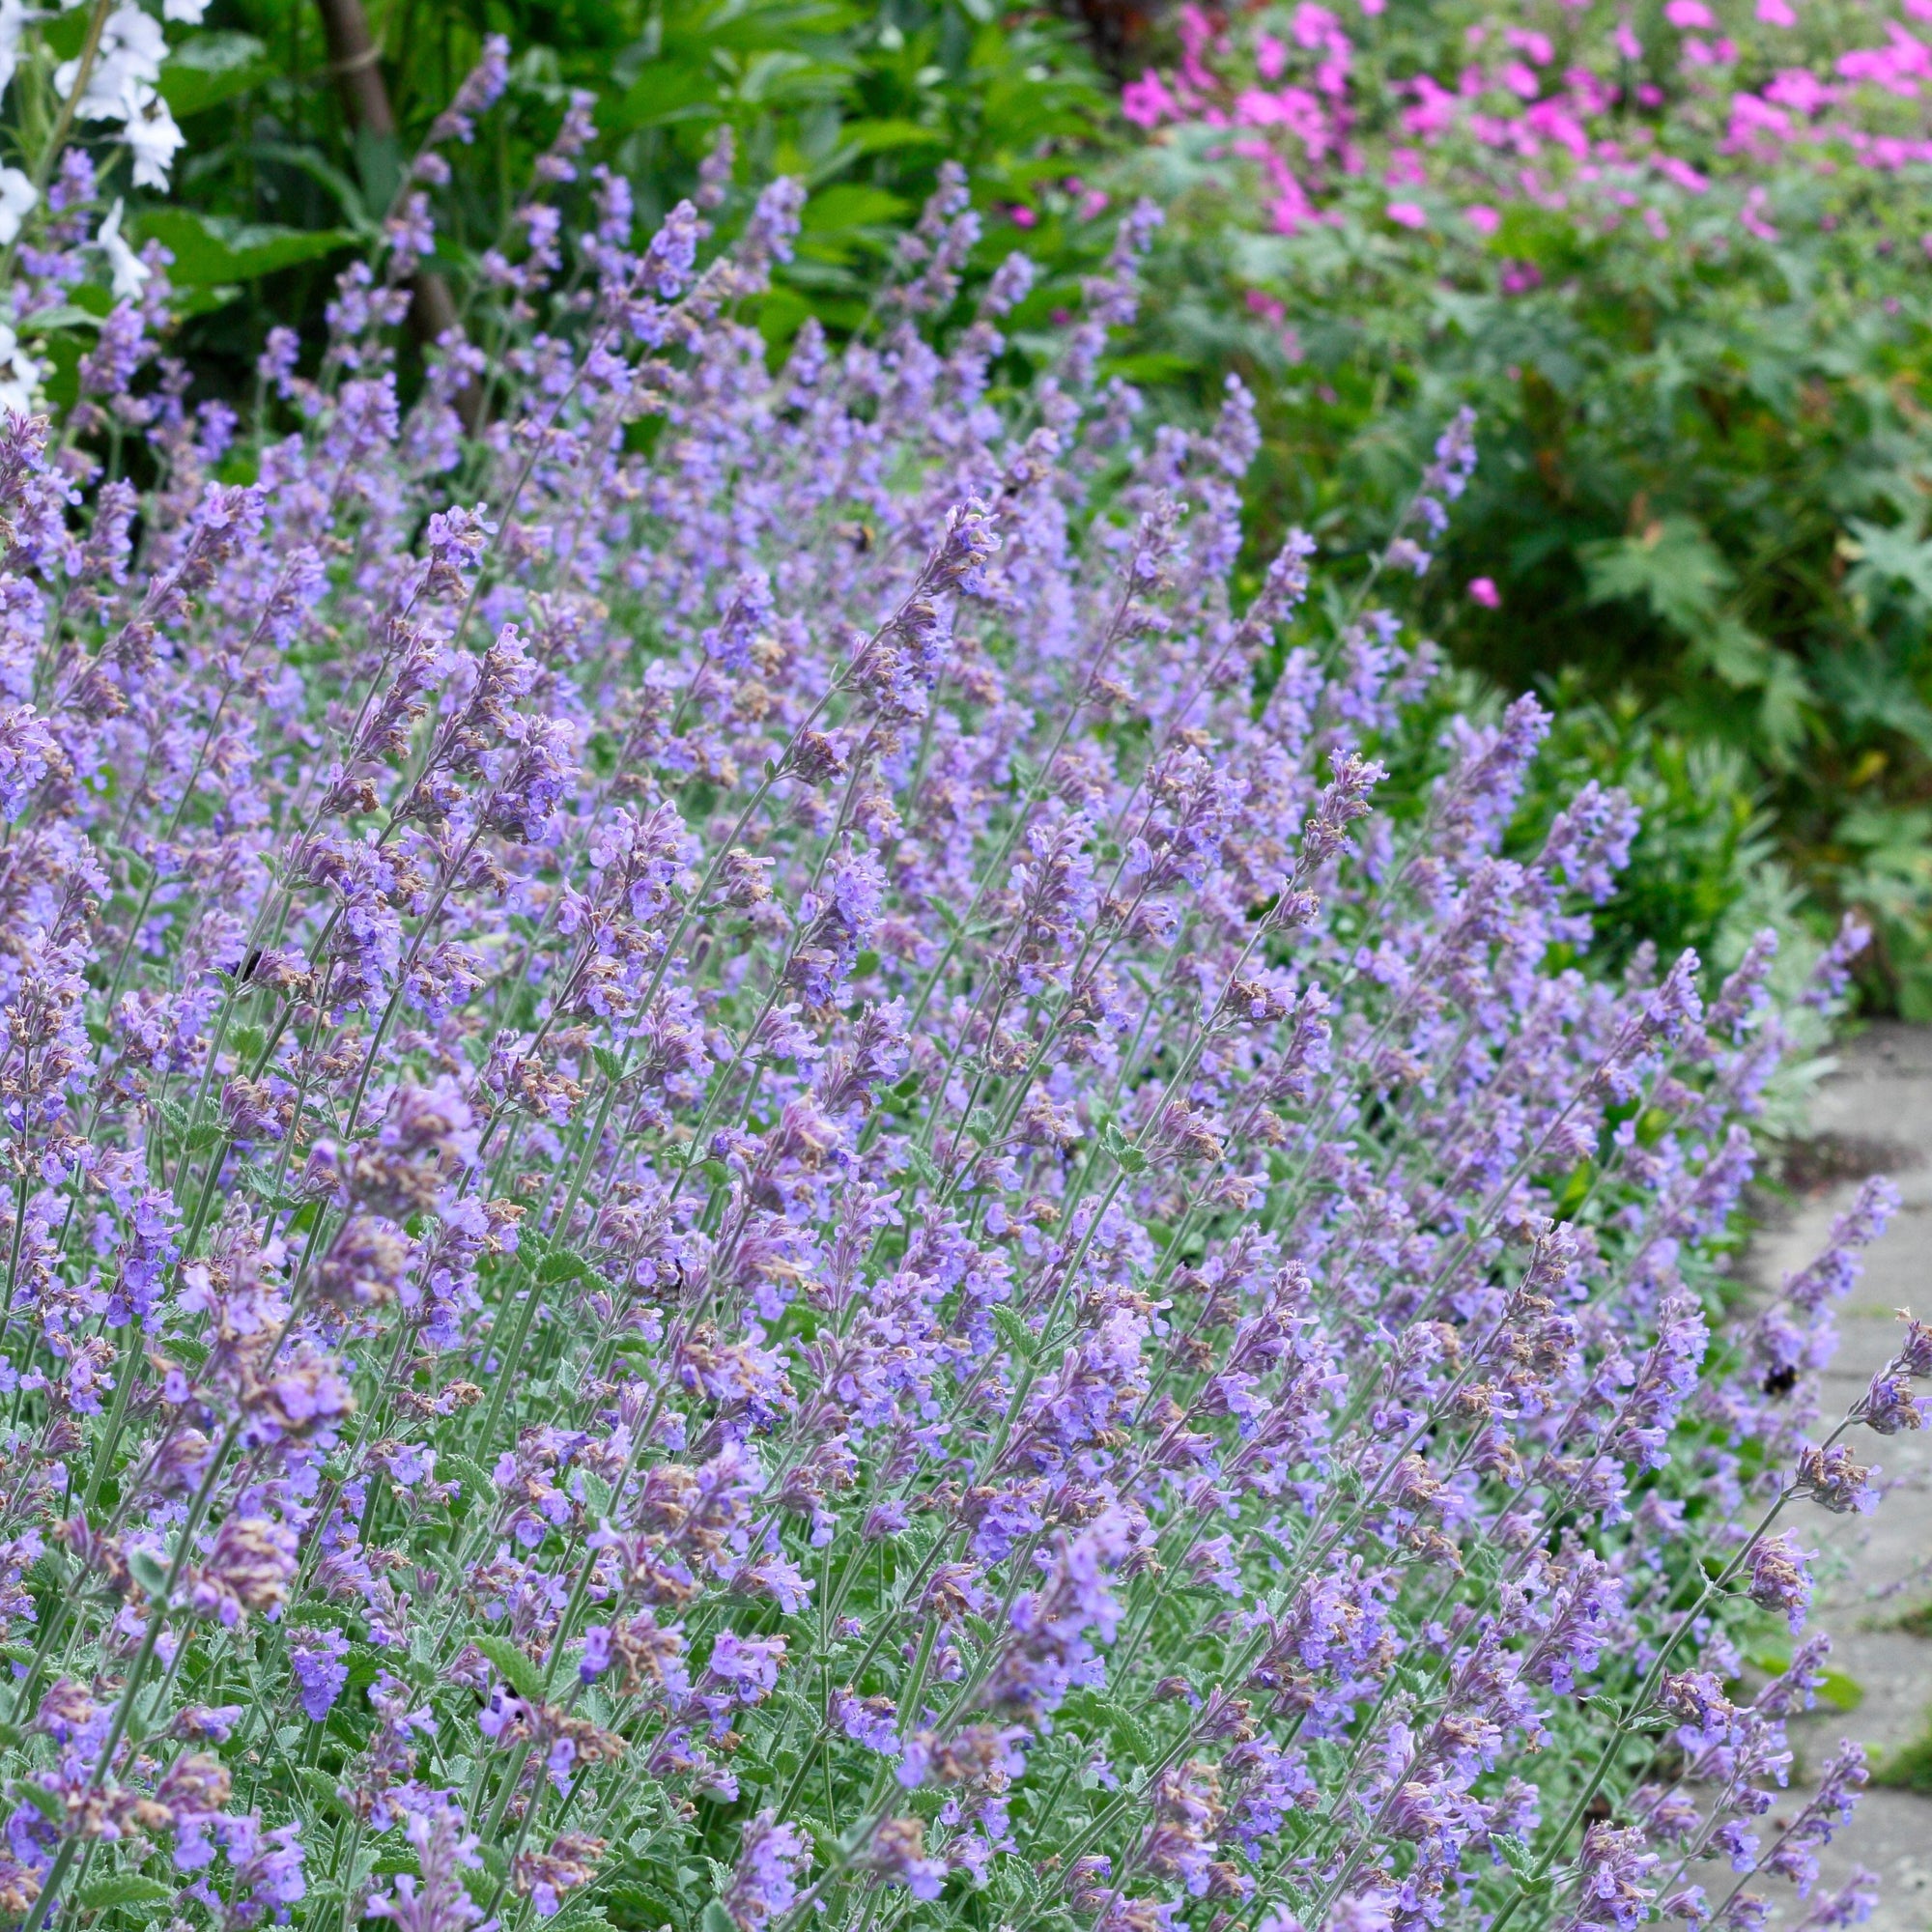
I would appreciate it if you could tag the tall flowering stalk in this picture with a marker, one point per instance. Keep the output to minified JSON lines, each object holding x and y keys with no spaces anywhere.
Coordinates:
{"x":750,"y":1186}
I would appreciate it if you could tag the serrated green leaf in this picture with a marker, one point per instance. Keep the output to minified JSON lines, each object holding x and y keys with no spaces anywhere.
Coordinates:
{"x":125,"y":1888}
{"x":321,"y":1788}
{"x":513,"y":1667}
{"x":471,"y":1474}
{"x":1518,"y":1855}
{"x":717,"y":1919}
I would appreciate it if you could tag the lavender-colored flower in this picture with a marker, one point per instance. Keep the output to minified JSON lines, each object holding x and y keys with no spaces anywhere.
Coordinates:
{"x":748,"y":1066}
{"x":1836,"y":1481}
{"x":764,"y":1885}
{"x":433,"y":1899}
{"x":1780,"y":1580}
{"x":317,"y":1659}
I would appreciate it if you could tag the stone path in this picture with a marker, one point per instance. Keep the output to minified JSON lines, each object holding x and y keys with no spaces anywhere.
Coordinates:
{"x":1874,"y":1115}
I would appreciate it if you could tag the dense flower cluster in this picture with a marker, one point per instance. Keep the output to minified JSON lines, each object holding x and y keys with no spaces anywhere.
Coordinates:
{"x":751,"y":1187}
{"x":1616,"y":114}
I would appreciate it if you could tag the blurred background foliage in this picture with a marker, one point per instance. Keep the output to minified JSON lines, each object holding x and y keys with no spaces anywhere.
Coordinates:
{"x":862,"y":102}
{"x":1706,"y":460}
{"x":1706,"y":467}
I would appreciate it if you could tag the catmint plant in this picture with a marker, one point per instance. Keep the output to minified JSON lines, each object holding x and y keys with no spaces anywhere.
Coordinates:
{"x":760,"y":1177}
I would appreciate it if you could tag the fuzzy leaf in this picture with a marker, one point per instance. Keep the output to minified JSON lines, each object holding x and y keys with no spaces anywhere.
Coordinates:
{"x":125,"y":1889}
{"x":513,"y":1667}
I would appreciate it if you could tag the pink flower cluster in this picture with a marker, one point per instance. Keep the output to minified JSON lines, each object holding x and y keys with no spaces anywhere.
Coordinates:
{"x":1562,"y":107}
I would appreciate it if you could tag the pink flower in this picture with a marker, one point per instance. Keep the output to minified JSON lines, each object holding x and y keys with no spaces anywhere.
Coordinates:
{"x":1689,"y":13}
{"x":1146,"y":102}
{"x":1482,"y":218}
{"x":1270,"y":57}
{"x":1801,"y":90}
{"x":1682,"y":173}
{"x":1778,"y":12}
{"x":1021,"y":217}
{"x":1627,"y":44}
{"x":1408,"y":214}
{"x":1483,"y":591}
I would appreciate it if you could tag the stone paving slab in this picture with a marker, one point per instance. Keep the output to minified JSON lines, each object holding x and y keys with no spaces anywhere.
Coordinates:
{"x":1875,"y":1112}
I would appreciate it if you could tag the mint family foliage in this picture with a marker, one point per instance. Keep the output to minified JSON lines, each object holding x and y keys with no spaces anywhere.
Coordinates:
{"x":772,"y":1165}
{"x":1675,"y":256}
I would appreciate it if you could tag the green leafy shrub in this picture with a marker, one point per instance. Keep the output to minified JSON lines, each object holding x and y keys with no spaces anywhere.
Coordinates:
{"x":1700,"y":372}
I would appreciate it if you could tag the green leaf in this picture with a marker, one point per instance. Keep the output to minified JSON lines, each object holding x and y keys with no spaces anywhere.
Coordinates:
{"x":667,"y":90}
{"x":922,"y":1166}
{"x":717,"y":1919}
{"x":563,"y":1264}
{"x":1882,"y":556}
{"x":261,"y":1181}
{"x":875,"y":137}
{"x":149,"y":1571}
{"x":43,"y":322}
{"x":320,"y":1787}
{"x":379,"y":165}
{"x":560,"y":1264}
{"x":1841,"y":1690}
{"x":609,"y":1064}
{"x":63,"y":32}
{"x":472,"y":1475}
{"x":1518,"y":1855}
{"x":850,"y":207}
{"x":210,"y":248}
{"x":1013,"y":1326}
{"x":125,"y":1888}
{"x":48,"y":1803}
{"x":1672,"y":566}
{"x":515,"y":1668}
{"x":210,"y":68}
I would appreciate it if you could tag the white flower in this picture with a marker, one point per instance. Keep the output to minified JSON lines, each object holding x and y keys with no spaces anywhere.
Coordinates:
{"x":19,"y":373}
{"x":18,"y":195}
{"x":132,"y":48}
{"x":151,"y":137}
{"x":130,"y":272}
{"x":14,"y":18}
{"x":188,"y":11}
